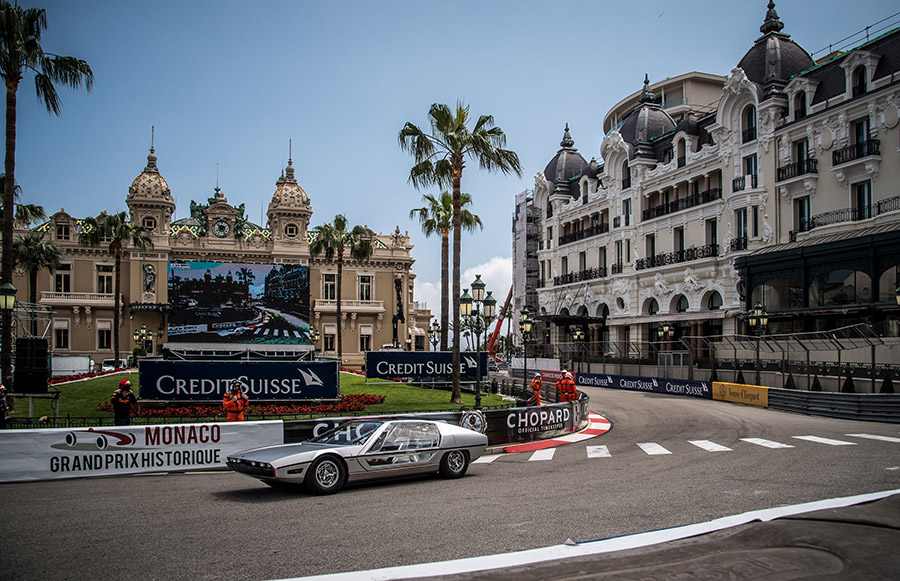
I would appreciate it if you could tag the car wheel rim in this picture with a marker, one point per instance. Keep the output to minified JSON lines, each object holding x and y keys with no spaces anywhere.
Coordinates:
{"x":456,"y":461}
{"x":327,"y":474}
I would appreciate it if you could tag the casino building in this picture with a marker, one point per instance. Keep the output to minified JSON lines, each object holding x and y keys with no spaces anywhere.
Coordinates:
{"x":775,"y":184}
{"x":219,"y":285}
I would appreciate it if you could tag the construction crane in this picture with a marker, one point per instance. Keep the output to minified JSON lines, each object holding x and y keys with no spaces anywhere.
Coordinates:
{"x":492,"y":345}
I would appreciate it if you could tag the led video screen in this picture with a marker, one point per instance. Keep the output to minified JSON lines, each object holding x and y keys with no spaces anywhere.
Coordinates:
{"x":219,"y":302}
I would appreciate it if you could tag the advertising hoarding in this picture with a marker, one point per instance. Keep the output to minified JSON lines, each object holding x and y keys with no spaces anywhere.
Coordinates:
{"x":233,"y":302}
{"x":264,"y":381}
{"x":688,"y":387}
{"x":434,"y":366}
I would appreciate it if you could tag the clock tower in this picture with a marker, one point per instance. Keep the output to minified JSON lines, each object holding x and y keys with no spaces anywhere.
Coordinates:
{"x":221,"y":217}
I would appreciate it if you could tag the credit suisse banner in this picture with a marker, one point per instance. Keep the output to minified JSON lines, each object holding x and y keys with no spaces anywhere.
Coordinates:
{"x":688,"y":387}
{"x":76,"y":453}
{"x":263,"y":380}
{"x":424,"y":365}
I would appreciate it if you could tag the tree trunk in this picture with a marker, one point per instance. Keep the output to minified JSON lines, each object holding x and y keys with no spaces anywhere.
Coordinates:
{"x":9,"y":203}
{"x":118,"y":278}
{"x":32,"y":294}
{"x":340,"y":275}
{"x":445,"y":288}
{"x":456,"y":393}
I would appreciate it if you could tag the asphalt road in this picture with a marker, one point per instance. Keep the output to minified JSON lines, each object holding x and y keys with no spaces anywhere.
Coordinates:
{"x":223,"y":525}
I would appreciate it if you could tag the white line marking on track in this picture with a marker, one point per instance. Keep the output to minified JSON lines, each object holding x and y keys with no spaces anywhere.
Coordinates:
{"x":486,"y":459}
{"x":597,"y":452}
{"x":875,"y":437}
{"x":709,"y":446}
{"x":653,"y":449}
{"x":828,"y":441}
{"x":546,"y":454}
{"x":765,"y":443}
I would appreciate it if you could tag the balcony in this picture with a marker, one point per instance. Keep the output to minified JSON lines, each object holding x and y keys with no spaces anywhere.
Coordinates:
{"x":847,"y":215}
{"x":742,"y":182}
{"x":682,"y":204}
{"x":858,"y":90}
{"x":587,"y":274}
{"x":798,"y":168}
{"x":616,"y":268}
{"x":686,"y":255}
{"x":57,"y":299}
{"x":681,"y":161}
{"x":856,"y":151}
{"x":748,"y":135}
{"x":739,"y":243}
{"x":349,"y":306}
{"x":626,"y":183}
{"x":601,"y":228}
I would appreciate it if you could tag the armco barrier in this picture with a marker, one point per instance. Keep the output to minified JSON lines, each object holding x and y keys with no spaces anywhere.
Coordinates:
{"x":874,"y":407}
{"x":502,"y":426}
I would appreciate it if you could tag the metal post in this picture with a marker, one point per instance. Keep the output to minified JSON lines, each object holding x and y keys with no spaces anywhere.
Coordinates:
{"x":757,"y":359}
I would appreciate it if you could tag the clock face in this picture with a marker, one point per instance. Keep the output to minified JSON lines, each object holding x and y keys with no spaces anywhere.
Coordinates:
{"x":221,"y":228}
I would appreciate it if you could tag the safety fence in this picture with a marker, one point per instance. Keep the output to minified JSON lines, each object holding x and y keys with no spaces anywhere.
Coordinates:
{"x":874,"y":407}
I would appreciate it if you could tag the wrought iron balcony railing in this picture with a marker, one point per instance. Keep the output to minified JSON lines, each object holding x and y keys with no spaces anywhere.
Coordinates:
{"x":856,"y":151}
{"x":742,"y":182}
{"x":587,"y":274}
{"x":798,"y":168}
{"x":686,"y":255}
{"x":683,"y":203}
{"x":601,"y":228}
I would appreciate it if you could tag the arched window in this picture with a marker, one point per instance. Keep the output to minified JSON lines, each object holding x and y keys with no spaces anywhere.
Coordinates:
{"x":714,"y":303}
{"x":800,"y":105}
{"x":749,"y":133}
{"x":682,"y":305}
{"x":682,"y":158}
{"x":626,"y":175}
{"x":840,"y":287}
{"x":652,"y":307}
{"x":860,"y":86}
{"x":584,"y":192}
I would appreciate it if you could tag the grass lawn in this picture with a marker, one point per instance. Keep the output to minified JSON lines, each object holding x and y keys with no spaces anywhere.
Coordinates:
{"x":80,"y":399}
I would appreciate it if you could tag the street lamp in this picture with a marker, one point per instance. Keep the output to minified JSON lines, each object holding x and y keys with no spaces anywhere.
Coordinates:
{"x":143,"y":337}
{"x":478,"y":310}
{"x":578,"y":337}
{"x":8,"y":297}
{"x":758,"y":320}
{"x":525,"y":324}
{"x":408,"y":344}
{"x":665,"y":333}
{"x":435,"y":333}
{"x":314,"y":335}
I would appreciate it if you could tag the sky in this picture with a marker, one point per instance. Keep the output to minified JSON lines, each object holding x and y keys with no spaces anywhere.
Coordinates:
{"x":228,"y":84}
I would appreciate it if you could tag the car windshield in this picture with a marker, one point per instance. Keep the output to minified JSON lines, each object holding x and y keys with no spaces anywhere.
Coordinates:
{"x":348,"y":433}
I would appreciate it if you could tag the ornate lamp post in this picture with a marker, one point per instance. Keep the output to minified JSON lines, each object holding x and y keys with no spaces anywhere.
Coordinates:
{"x":578,"y":337}
{"x":666,"y":332}
{"x":478,"y":311}
{"x":758,"y":320}
{"x":144,"y":338}
{"x":408,"y":344}
{"x":314,"y":335}
{"x":435,"y":333}
{"x":525,"y":323}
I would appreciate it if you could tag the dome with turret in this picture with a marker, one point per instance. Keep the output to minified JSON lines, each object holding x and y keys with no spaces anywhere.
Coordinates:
{"x":288,"y":193}
{"x":774,"y":58}
{"x":150,"y":185}
{"x":647,"y":120}
{"x":566,"y":166}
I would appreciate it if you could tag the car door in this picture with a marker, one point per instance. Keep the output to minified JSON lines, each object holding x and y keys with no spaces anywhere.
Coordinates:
{"x":403,"y":446}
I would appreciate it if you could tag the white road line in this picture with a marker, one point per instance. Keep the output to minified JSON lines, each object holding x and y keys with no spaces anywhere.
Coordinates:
{"x":709,"y":446}
{"x":486,"y":459}
{"x":766,"y":443}
{"x":653,"y":449}
{"x":597,"y":452}
{"x":875,"y":437}
{"x":546,"y":454}
{"x":828,"y":441}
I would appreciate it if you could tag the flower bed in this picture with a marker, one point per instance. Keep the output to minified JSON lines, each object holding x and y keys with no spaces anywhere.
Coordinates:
{"x":78,"y":376}
{"x":347,"y":403}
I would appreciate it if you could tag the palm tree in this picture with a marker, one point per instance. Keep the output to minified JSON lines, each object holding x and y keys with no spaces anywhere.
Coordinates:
{"x":437,"y":216}
{"x":440,"y":157}
{"x":116,"y":231}
{"x":21,"y":52}
{"x":33,"y":253}
{"x":24,"y":214}
{"x":332,"y":241}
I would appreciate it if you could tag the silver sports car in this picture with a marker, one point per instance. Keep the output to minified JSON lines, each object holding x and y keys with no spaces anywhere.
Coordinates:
{"x":364,"y":449}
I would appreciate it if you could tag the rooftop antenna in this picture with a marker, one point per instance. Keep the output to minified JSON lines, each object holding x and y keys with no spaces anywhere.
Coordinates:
{"x":152,"y":136}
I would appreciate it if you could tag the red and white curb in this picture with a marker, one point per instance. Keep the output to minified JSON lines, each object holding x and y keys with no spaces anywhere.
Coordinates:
{"x":597,"y":426}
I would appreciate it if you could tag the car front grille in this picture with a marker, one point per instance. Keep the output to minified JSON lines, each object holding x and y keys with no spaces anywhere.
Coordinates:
{"x":250,"y":467}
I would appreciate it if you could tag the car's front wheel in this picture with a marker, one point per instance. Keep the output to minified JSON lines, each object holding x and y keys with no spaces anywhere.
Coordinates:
{"x":454,"y":464}
{"x":326,"y":475}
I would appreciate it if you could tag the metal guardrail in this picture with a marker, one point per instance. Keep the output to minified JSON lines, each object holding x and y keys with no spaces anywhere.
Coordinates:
{"x":871,"y":407}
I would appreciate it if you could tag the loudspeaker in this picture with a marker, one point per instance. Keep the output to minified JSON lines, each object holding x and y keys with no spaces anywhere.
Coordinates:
{"x":32,"y":370}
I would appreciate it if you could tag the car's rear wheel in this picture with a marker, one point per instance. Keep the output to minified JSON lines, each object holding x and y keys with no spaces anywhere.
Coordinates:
{"x":454,"y":464}
{"x":326,"y":475}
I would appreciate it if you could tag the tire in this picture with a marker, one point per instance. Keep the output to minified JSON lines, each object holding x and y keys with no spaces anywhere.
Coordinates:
{"x":454,"y":464}
{"x":326,"y":475}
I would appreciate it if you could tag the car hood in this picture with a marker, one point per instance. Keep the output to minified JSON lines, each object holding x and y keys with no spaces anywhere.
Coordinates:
{"x":272,"y":453}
